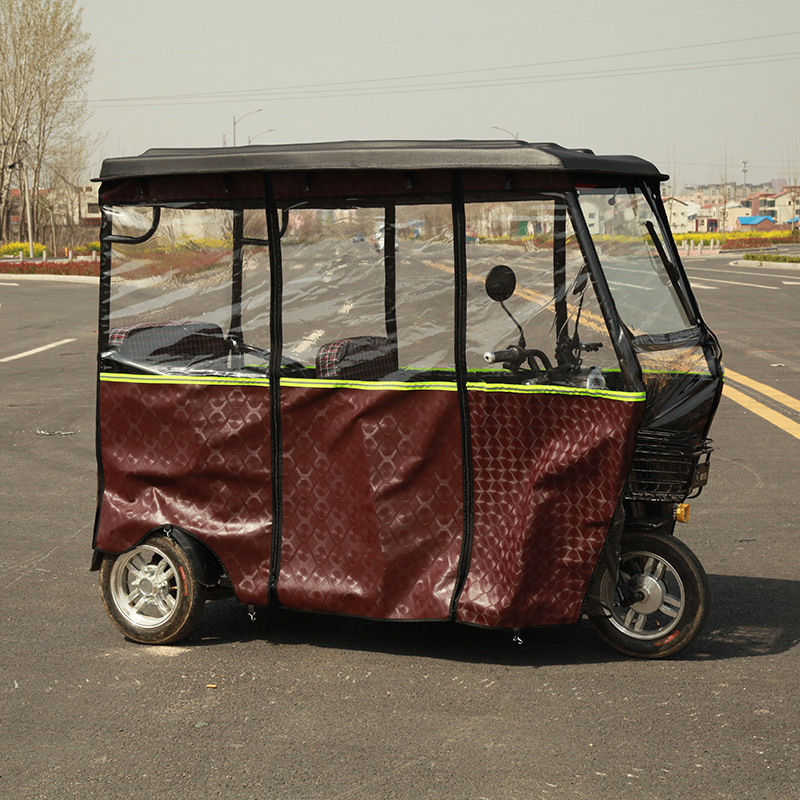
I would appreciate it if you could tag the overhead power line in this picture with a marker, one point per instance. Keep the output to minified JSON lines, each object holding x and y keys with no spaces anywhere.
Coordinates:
{"x":275,"y":95}
{"x":363,"y":86}
{"x":343,"y":91}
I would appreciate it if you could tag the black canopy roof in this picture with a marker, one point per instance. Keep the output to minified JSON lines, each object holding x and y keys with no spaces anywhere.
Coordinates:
{"x":377,"y":155}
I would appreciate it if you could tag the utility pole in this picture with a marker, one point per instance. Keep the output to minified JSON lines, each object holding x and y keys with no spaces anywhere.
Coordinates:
{"x":744,"y":175}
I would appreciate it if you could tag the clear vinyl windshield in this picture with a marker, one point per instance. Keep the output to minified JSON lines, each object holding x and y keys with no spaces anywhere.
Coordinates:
{"x":639,"y":264}
{"x":651,"y":297}
{"x":634,"y":254}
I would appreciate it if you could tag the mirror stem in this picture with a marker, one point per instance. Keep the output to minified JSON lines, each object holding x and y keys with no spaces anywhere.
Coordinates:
{"x":519,"y":327}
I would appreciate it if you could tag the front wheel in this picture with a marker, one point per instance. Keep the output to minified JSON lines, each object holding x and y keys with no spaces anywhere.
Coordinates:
{"x":151,"y":592}
{"x":660,"y":601}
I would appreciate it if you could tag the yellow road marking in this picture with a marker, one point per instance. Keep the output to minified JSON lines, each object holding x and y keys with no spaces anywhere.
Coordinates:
{"x":767,"y":391}
{"x":785,"y":424}
{"x":545,"y":302}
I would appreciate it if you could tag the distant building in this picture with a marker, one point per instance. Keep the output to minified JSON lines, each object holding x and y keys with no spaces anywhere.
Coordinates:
{"x":88,"y":208}
{"x":705,"y":220}
{"x":782,"y":206}
{"x":679,"y":211}
{"x":758,"y":223}
{"x":753,"y":202}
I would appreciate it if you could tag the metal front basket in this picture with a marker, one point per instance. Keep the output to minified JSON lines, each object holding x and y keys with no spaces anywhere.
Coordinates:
{"x":668,"y":465}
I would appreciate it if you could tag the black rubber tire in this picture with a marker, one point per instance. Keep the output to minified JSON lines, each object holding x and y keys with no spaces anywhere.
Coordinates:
{"x":674,"y":598}
{"x":151,"y":592}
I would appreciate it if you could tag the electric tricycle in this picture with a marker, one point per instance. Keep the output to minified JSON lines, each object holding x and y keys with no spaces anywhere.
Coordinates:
{"x":492,"y":413}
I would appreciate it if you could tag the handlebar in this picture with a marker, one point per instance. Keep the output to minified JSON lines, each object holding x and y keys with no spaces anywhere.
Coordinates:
{"x":512,"y":354}
{"x":515,"y":355}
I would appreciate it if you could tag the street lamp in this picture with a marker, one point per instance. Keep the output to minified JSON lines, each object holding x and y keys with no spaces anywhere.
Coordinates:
{"x":250,"y":140}
{"x":235,"y":121}
{"x":514,"y":136}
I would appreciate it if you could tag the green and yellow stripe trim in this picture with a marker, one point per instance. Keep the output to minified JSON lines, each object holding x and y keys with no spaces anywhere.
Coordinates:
{"x":370,"y":386}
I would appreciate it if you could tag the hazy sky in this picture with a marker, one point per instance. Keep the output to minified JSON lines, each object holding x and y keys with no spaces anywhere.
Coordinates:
{"x":694,"y":86}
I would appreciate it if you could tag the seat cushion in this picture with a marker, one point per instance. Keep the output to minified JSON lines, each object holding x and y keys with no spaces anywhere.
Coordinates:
{"x":171,"y":344}
{"x":358,"y":358}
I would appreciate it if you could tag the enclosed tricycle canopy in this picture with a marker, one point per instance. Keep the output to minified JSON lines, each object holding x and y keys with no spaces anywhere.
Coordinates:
{"x":299,"y":368}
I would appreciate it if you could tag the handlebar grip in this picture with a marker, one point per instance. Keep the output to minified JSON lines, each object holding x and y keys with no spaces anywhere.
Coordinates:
{"x":493,"y":356}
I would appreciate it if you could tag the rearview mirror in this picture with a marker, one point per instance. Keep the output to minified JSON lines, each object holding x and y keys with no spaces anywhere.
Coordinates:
{"x":501,"y":282}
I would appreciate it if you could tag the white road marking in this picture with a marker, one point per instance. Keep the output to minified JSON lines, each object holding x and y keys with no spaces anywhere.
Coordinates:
{"x":35,"y":350}
{"x":739,"y":283}
{"x":631,"y":286}
{"x":737,"y":272}
{"x":3,"y":283}
{"x":696,"y":285}
{"x":791,"y":283}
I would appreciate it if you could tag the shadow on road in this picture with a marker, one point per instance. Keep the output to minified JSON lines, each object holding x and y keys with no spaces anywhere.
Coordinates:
{"x":749,"y":617}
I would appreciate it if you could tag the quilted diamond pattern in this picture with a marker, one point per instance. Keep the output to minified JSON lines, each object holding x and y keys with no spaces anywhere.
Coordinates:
{"x":373,"y":517}
{"x":549,"y":470}
{"x":372,"y":493}
{"x":195,"y":456}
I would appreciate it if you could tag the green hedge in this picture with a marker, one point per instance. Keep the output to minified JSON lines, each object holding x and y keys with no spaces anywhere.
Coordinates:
{"x":771,"y":257}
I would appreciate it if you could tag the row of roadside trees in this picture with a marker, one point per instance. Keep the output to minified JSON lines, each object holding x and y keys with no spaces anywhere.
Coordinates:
{"x":46,"y":63}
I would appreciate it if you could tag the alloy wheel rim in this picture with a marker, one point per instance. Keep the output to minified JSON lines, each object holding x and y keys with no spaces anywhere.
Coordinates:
{"x":660,"y":594}
{"x":145,"y":587}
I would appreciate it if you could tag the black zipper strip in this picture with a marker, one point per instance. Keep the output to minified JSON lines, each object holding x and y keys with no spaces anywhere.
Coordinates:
{"x":275,"y":356}
{"x":460,"y":345}
{"x":390,"y":273}
{"x":104,"y":310}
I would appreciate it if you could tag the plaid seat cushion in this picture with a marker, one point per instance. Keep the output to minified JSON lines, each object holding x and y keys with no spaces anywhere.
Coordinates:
{"x":179,"y":344}
{"x":358,"y":358}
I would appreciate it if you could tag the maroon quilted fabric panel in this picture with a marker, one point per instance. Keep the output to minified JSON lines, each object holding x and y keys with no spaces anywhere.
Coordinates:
{"x":193,"y":456}
{"x":373,"y":502}
{"x":549,"y":470}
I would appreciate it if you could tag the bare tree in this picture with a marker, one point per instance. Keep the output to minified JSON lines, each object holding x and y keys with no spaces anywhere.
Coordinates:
{"x":727,"y":191}
{"x":59,"y":206}
{"x":793,"y":186}
{"x":45,"y":66}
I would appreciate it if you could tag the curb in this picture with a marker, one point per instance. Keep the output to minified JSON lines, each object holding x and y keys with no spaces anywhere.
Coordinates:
{"x":66,"y":278}
{"x":768,"y":264}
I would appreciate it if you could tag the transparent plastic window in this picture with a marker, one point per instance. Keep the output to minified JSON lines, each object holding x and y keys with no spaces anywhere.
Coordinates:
{"x":354,"y":306}
{"x":339,"y":304}
{"x":170,"y":306}
{"x":661,"y":366}
{"x":636,"y":257}
{"x":523,"y":236}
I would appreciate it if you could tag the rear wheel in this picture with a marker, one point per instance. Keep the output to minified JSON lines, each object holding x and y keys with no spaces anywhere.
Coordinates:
{"x":660,"y":601}
{"x":151,"y":592}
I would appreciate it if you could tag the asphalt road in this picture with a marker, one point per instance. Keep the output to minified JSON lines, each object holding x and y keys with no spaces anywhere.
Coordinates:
{"x":295,"y":706}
